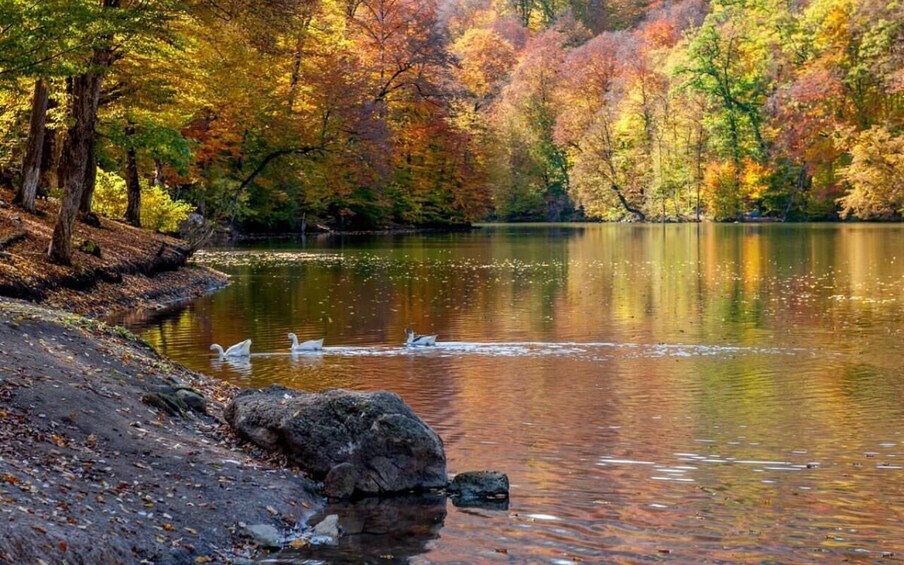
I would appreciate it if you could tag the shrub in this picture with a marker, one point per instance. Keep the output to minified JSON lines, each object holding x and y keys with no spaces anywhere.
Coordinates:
{"x":159,"y":211}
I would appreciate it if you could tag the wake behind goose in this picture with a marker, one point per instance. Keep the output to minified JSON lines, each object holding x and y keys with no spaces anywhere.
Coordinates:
{"x":590,"y":351}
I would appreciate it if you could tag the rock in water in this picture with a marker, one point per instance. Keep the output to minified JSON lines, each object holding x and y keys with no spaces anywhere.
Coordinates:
{"x":391,"y":449}
{"x":329,"y":526}
{"x":479,"y":485}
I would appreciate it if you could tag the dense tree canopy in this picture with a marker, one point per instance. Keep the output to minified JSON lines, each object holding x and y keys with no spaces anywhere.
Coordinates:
{"x":364,"y":113}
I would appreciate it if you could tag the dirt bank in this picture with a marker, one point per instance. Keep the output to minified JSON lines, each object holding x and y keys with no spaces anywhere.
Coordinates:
{"x":117,"y":267}
{"x":91,"y":473}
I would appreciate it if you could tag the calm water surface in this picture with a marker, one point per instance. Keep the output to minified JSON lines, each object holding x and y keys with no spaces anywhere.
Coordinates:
{"x":656,"y":393}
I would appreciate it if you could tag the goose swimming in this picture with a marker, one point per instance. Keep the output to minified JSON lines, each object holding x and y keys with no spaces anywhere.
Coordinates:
{"x":419,"y":340}
{"x":311,"y":345}
{"x":242,"y":349}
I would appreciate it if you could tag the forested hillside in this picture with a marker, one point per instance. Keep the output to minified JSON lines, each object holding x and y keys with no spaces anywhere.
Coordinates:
{"x":363,"y":113}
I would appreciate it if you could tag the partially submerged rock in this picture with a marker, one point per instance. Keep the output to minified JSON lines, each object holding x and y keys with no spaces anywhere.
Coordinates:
{"x":327,"y":531}
{"x":389,"y":447}
{"x":373,"y":527}
{"x":479,"y":485}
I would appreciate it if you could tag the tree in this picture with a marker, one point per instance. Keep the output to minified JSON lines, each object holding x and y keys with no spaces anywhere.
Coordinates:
{"x":876,"y":176}
{"x":605,"y":175}
{"x":39,"y":40}
{"x":31,"y":167}
{"x":527,"y":112}
{"x":118,"y":25}
{"x":486,"y":59}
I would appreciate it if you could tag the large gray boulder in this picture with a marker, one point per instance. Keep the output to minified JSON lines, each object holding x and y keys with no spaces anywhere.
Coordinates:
{"x":390,"y":447}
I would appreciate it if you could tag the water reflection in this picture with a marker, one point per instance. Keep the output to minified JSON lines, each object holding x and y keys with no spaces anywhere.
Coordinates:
{"x":653,"y":392}
{"x":376,"y":530}
{"x":239,"y":365}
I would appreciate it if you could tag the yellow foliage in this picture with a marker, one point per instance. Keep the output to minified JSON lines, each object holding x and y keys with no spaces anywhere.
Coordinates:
{"x":754,"y":180}
{"x":159,"y":211}
{"x":486,"y":59}
{"x":720,"y":190}
{"x":875,"y":175}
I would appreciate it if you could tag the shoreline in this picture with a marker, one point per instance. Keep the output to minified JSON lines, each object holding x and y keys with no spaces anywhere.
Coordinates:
{"x":139,"y":292}
{"x":406,"y":230}
{"x":96,"y":466}
{"x":92,"y":469}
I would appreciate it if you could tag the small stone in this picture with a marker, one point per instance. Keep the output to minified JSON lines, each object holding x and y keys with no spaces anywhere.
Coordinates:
{"x":168,"y":403}
{"x":264,"y":535}
{"x":329,"y":526}
{"x":340,"y":481}
{"x":475,"y":485}
{"x":193,"y":400}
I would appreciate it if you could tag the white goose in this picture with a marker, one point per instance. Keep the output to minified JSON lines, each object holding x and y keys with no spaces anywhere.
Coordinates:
{"x":242,"y":349}
{"x":311,"y":345}
{"x":419,"y":340}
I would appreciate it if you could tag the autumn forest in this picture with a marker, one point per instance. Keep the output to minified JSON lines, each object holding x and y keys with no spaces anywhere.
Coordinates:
{"x":358,"y":114}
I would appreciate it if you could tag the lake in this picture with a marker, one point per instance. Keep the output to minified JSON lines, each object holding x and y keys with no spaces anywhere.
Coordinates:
{"x":686,"y":393}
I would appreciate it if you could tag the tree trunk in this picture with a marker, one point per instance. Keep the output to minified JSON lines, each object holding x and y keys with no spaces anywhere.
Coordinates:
{"x":90,"y":181}
{"x":627,"y":205}
{"x":799,"y":188}
{"x":31,"y":167}
{"x":158,"y":173}
{"x":84,"y":97}
{"x":133,"y":183}
{"x":83,"y":104}
{"x":50,"y":155}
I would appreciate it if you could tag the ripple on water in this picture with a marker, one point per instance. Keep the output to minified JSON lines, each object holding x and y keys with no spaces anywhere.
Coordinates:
{"x":680,"y":393}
